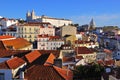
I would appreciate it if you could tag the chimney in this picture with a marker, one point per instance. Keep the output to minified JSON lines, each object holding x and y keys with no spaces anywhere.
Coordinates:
{"x":58,"y":62}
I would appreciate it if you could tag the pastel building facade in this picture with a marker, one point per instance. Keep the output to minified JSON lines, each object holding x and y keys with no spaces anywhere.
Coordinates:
{"x":68,"y":30}
{"x":30,"y":31}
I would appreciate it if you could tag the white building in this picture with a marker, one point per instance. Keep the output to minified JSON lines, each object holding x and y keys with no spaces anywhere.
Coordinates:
{"x":7,"y":22}
{"x":57,"y":22}
{"x":47,"y":30}
{"x":46,"y":42}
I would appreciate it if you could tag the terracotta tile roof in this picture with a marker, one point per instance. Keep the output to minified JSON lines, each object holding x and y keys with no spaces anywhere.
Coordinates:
{"x":81,"y":42}
{"x":84,"y":50}
{"x":5,"y":37}
{"x":2,"y":47}
{"x":66,"y":74}
{"x":79,"y":57}
{"x":43,"y":36}
{"x":68,"y":59}
{"x":9,"y":53}
{"x":16,"y":43}
{"x":3,"y":65}
{"x":15,"y":62}
{"x":109,"y":62}
{"x":55,"y":52}
{"x":106,"y":62}
{"x":108,"y":51}
{"x":32,"y":56}
{"x":54,"y":37}
{"x":47,"y":36}
{"x":34,"y":24}
{"x":40,"y":72}
{"x":50,"y":59}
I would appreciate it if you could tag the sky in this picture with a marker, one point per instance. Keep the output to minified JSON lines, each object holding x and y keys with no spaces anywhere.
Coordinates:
{"x":104,"y":12}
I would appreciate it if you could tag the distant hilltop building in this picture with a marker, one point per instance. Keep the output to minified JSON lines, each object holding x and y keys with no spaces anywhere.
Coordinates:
{"x":92,"y":25}
{"x":57,"y":22}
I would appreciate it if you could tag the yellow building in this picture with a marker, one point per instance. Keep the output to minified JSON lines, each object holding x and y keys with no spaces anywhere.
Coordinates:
{"x":70,"y":39}
{"x":30,"y":31}
{"x":89,"y":55}
{"x":88,"y":44}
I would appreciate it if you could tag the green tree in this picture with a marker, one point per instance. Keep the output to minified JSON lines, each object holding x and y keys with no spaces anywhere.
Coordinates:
{"x":88,"y":72}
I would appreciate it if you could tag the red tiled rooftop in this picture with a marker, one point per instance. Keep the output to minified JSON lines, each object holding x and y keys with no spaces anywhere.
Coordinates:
{"x":108,"y":51}
{"x":79,"y":57}
{"x":16,"y":43}
{"x":54,"y":52}
{"x":34,"y":24}
{"x":66,"y":74}
{"x":43,"y":36}
{"x":106,"y":62}
{"x":83,"y":50}
{"x":5,"y":37}
{"x":50,"y":59}
{"x":68,"y":59}
{"x":109,"y":62}
{"x":81,"y":42}
{"x":54,"y":37}
{"x":40,"y":72}
{"x":15,"y":62}
{"x":32,"y":56}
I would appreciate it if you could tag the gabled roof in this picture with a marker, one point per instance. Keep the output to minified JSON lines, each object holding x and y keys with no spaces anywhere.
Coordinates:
{"x":15,"y":62}
{"x":16,"y":43}
{"x":66,"y":74}
{"x":40,"y":72}
{"x":32,"y":56}
{"x":50,"y":59}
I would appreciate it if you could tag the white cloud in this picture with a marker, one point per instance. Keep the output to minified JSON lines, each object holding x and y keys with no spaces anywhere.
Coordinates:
{"x":101,"y":20}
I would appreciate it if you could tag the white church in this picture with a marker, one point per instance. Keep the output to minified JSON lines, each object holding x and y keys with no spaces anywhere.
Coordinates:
{"x":57,"y":22}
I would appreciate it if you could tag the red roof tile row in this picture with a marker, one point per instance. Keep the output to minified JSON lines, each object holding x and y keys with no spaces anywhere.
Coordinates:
{"x":83,"y":50}
{"x":15,"y":62}
{"x":16,"y":43}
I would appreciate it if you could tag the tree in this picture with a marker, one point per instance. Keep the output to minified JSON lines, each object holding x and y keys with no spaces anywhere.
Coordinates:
{"x":88,"y":72}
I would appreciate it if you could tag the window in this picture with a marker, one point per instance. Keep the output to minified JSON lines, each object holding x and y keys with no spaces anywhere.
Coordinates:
{"x":2,"y":76}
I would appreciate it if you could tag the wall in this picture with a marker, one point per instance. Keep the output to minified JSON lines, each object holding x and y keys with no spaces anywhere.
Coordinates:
{"x":7,"y":74}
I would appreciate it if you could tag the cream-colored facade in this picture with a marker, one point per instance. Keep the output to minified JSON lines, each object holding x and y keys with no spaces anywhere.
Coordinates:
{"x":88,"y":57}
{"x":87,"y":44}
{"x":28,"y":32}
{"x":31,"y":31}
{"x":68,"y":30}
